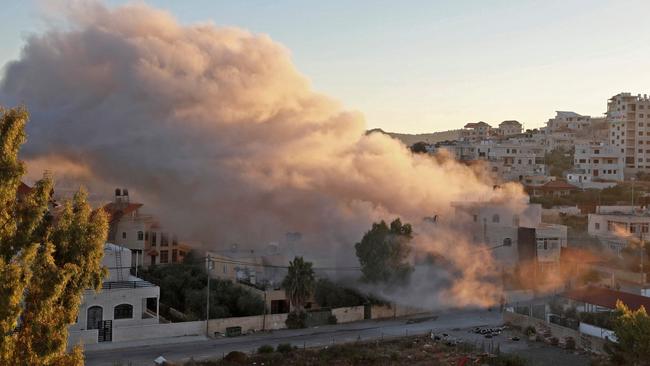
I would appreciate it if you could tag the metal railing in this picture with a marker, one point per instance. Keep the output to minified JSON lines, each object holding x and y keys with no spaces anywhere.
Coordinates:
{"x":125,"y":284}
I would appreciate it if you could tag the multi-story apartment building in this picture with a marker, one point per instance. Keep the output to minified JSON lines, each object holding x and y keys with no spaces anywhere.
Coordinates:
{"x":514,"y":237}
{"x":568,"y":128}
{"x":509,"y":128}
{"x":515,"y":162}
{"x":596,"y":162}
{"x":148,"y":242}
{"x":476,"y":131}
{"x":629,"y":129}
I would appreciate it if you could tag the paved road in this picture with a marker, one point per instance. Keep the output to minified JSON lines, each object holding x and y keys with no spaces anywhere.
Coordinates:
{"x":313,"y":337}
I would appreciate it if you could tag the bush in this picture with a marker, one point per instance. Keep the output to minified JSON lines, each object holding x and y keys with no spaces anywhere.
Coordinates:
{"x":570,"y":343}
{"x":284,"y":348}
{"x":236,"y":357}
{"x":530,"y":330}
{"x":554,"y":341}
{"x":506,"y":360}
{"x":267,"y":348}
{"x":332,"y":319}
{"x":296,"y":320}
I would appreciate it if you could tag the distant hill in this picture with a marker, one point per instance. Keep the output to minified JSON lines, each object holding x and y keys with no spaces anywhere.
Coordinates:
{"x":430,"y":138}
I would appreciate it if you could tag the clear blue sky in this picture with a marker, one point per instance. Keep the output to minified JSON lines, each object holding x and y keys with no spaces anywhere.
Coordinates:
{"x":421,"y":66}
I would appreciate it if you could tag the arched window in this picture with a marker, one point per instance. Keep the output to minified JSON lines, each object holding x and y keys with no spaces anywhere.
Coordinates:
{"x":94,"y":317}
{"x":496,"y":218}
{"x":123,"y":311}
{"x":140,"y":235}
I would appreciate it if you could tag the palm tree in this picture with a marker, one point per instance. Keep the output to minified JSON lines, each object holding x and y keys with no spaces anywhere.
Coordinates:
{"x":299,"y":282}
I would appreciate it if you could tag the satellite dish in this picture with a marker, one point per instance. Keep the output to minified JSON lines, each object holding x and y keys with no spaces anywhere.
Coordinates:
{"x":160,"y":360}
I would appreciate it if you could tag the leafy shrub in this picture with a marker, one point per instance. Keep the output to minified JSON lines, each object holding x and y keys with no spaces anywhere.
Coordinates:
{"x":530,"y":330}
{"x":570,"y":343}
{"x":284,"y":348}
{"x":267,"y":348}
{"x":236,"y":357}
{"x":296,"y":320}
{"x":334,"y":295}
{"x":506,"y":360}
{"x":332,"y":319}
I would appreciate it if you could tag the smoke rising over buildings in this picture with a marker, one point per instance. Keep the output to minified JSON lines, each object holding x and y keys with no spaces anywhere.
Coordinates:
{"x":217,"y":129}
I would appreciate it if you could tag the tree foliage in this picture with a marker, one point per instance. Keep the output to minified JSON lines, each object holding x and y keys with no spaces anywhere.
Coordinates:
{"x":299,"y":282}
{"x":335,"y":295}
{"x":183,"y":287}
{"x":383,"y":252}
{"x":632,"y":330}
{"x":419,"y":147}
{"x":45,"y":262}
{"x":559,"y":161}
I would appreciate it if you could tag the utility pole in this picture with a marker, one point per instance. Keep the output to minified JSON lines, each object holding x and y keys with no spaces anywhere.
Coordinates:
{"x":264,"y":318}
{"x":208,"y":267}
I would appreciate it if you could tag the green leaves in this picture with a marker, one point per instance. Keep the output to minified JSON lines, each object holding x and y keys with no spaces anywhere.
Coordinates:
{"x":383,"y":253}
{"x":632,"y":329}
{"x":46,"y":262}
{"x":299,"y":282}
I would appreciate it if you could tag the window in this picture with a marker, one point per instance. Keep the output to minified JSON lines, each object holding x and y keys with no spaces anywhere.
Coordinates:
{"x":640,"y":133}
{"x":596,"y":151}
{"x":123,"y":234}
{"x":507,"y":242}
{"x":140,"y":235}
{"x":514,"y":151}
{"x":164,"y":256}
{"x":595,"y":161}
{"x":164,"y":240}
{"x":123,"y":311}
{"x":597,"y":226}
{"x":496,"y":218}
{"x":153,"y":238}
{"x":475,"y":217}
{"x":146,"y":236}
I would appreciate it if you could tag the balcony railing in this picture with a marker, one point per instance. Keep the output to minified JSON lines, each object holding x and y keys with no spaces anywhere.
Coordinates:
{"x":110,"y":285}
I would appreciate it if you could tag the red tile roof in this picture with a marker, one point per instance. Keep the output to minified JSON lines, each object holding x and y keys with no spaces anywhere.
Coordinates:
{"x":557,"y":185}
{"x":607,"y":298}
{"x":115,"y":210}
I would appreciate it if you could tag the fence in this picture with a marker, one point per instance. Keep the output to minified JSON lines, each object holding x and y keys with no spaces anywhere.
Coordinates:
{"x":584,"y":341}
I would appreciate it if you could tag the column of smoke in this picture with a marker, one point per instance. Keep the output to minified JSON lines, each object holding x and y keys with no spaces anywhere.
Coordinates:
{"x":216,"y":129}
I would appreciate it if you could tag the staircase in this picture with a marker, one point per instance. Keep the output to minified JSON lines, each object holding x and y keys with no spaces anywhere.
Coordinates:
{"x":118,"y":264}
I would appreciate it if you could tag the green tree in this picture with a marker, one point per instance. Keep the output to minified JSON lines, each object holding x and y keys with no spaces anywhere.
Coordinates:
{"x":632,"y":330}
{"x":383,"y":252}
{"x":45,"y":264}
{"x":419,"y":147}
{"x":299,"y":282}
{"x":559,"y":161}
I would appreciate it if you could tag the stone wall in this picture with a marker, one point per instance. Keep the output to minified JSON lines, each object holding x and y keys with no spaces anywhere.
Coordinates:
{"x":248,"y":323}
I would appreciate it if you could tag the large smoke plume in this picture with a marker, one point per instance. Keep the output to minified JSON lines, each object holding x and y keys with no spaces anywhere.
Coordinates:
{"x":216,"y":129}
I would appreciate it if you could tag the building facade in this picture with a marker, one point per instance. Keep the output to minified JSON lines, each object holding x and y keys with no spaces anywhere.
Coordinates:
{"x":596,"y":162}
{"x":628,"y":117}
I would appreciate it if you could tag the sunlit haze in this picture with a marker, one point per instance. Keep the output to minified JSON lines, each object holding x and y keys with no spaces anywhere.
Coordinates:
{"x":423,"y":66}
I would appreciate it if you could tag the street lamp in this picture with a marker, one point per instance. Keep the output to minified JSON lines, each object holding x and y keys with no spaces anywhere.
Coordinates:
{"x":209,"y":265}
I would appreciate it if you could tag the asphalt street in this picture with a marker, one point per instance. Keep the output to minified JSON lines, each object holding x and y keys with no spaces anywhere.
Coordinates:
{"x":312,"y":337}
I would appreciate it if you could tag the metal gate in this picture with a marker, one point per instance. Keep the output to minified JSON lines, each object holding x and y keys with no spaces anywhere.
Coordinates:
{"x":105,"y":333}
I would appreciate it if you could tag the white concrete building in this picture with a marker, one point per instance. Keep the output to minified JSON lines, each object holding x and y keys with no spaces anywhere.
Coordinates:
{"x":617,"y":226}
{"x":629,"y":130}
{"x":515,"y":238}
{"x":515,"y":162}
{"x":476,"y":131}
{"x":125,"y":300}
{"x":596,"y":162}
{"x":510,"y":128}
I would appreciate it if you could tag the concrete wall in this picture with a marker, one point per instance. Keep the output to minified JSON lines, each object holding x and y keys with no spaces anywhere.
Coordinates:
{"x":347,"y":315}
{"x":595,"y":331}
{"x":583,"y":341}
{"x":124,"y":334}
{"x":383,"y":312}
{"x":248,"y":323}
